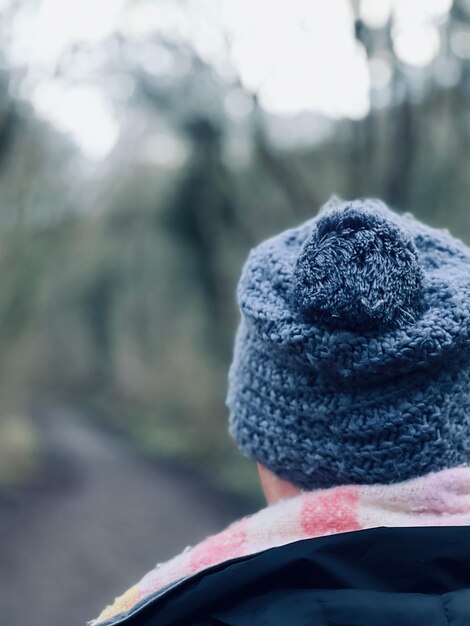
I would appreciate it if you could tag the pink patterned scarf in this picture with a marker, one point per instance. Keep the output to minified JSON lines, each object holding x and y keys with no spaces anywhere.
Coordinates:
{"x":437,"y":499}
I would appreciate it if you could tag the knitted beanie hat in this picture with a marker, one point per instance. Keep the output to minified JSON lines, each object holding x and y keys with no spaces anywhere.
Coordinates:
{"x":352,"y":358}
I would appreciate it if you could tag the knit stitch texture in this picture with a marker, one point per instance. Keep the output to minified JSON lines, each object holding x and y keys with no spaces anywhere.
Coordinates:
{"x":352,"y":359}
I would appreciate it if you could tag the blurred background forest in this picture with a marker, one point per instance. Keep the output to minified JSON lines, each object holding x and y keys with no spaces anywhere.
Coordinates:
{"x":145,"y":147}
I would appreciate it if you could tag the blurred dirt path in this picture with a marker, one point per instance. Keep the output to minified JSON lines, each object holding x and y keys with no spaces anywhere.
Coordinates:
{"x":106,"y":517}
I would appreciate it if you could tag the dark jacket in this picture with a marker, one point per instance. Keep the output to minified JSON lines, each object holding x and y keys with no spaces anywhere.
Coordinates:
{"x":377,"y":577}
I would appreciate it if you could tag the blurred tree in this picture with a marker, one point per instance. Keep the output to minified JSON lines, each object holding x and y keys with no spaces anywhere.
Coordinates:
{"x":203,"y":208}
{"x":121,"y":273}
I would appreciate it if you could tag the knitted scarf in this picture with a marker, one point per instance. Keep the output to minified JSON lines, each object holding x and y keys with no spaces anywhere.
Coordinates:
{"x":437,"y":499}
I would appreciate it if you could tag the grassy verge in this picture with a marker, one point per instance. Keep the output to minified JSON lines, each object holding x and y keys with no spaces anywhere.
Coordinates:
{"x":155,"y":438}
{"x":19,"y":449}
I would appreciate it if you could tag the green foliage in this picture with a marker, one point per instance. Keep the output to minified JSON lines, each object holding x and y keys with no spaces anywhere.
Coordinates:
{"x":118,"y":284}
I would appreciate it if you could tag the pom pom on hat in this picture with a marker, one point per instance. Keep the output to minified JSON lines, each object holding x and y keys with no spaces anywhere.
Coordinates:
{"x":357,"y":269}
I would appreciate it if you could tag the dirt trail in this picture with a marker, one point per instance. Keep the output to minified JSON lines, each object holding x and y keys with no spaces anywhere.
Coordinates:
{"x":106,"y":517}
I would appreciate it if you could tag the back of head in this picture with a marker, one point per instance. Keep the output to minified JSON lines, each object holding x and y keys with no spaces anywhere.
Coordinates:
{"x":351,"y":362}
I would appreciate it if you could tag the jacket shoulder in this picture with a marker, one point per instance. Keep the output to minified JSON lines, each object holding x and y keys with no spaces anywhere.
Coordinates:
{"x":407,"y":576}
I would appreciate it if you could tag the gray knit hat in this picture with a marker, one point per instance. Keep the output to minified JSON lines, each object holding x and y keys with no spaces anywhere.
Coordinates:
{"x":352,"y":358}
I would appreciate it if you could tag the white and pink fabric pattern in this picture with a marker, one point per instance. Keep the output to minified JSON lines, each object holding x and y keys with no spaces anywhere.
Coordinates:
{"x":437,"y":499}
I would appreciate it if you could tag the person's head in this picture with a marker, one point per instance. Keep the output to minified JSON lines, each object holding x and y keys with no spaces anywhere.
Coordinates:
{"x":352,"y":357}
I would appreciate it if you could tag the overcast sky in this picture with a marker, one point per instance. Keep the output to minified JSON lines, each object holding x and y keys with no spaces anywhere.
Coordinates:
{"x":298,"y":55}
